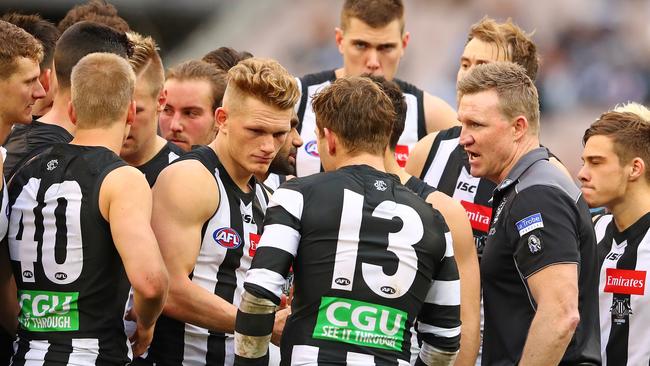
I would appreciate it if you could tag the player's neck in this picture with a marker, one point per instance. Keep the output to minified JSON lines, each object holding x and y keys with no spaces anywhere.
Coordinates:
{"x":237,"y":173}
{"x":58,"y":115}
{"x":393,"y":167}
{"x":374,"y":161}
{"x":111,"y":137}
{"x":148,"y":151}
{"x":5,"y":128}
{"x":527,"y":145}
{"x":634,"y":205}
{"x":340,"y":73}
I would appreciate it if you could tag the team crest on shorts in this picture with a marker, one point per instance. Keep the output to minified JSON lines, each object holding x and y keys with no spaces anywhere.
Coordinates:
{"x":227,"y":238}
{"x":312,"y":148}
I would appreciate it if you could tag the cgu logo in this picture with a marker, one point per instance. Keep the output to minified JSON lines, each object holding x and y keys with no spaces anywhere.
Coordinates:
{"x":464,"y":186}
{"x":312,"y":148}
{"x":401,"y":154}
{"x":227,"y":238}
{"x":45,"y":304}
{"x":365,"y":318}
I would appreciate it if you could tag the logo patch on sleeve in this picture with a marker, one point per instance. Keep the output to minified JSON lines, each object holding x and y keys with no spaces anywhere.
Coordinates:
{"x":534,"y":244}
{"x":529,"y":223}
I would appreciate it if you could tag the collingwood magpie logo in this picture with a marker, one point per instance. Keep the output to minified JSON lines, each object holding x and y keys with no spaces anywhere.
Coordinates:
{"x":380,"y":185}
{"x":52,"y":164}
{"x":534,"y":244}
{"x":621,"y":310}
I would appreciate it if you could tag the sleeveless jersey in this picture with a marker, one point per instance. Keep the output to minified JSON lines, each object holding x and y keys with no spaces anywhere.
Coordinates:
{"x":365,"y":266}
{"x":165,"y":156}
{"x":624,"y":302}
{"x":229,"y":241}
{"x":72,"y":286}
{"x":308,"y":160}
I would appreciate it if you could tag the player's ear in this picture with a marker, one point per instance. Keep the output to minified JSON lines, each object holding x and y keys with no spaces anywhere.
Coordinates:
{"x":221,"y":119}
{"x":162,"y":100}
{"x":331,"y":140}
{"x":338,"y":37}
{"x":44,"y":78}
{"x":520,"y":127}
{"x":72,"y":114}
{"x":405,"y":40}
{"x":638,"y":169}
{"x":130,"y":114}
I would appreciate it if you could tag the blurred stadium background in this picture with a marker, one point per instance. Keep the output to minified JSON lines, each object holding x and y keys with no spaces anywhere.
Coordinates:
{"x":595,"y":53}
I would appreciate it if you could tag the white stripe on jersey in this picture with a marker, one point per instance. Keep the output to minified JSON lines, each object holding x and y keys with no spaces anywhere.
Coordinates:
{"x":440,"y":161}
{"x":281,"y":237}
{"x":304,"y":355}
{"x":638,"y":343}
{"x":449,"y":245}
{"x":601,"y":227}
{"x":410,"y":135}
{"x":171,"y":157}
{"x":440,"y":332}
{"x":272,"y":181}
{"x":4,"y":219}
{"x":36,"y":354}
{"x":267,"y":279}
{"x":468,"y":180}
{"x":444,"y":293}
{"x":290,"y":200}
{"x":259,"y":192}
{"x":359,"y":359}
{"x":308,"y":164}
{"x":84,"y":351}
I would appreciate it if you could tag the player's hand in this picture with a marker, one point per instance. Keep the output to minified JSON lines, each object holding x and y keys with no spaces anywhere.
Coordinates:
{"x":278,"y":327}
{"x":141,"y":338}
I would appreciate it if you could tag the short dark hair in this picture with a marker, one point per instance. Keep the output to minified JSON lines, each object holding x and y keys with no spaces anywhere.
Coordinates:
{"x":201,"y":70}
{"x":43,"y":30}
{"x":82,"y":39}
{"x":226,"y":57}
{"x":98,"y":11}
{"x":630,"y":134}
{"x":358,"y":111}
{"x":394,"y":93}
{"x":375,"y":13}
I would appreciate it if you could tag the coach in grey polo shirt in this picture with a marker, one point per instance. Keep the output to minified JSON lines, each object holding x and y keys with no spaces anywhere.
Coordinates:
{"x":539,"y":268}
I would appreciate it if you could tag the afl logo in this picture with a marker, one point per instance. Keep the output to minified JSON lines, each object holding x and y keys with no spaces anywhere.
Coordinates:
{"x":342,"y":281}
{"x":227,"y":238}
{"x":388,"y":290}
{"x":60,"y":276}
{"x":312,"y":148}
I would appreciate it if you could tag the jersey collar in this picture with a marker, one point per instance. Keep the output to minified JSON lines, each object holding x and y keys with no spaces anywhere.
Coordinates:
{"x":525,"y":162}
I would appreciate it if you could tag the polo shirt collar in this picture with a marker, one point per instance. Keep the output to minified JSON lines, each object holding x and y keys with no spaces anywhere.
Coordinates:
{"x":525,"y":162}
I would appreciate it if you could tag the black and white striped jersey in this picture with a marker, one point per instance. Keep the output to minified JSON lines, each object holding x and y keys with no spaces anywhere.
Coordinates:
{"x":369,"y":257}
{"x":624,"y":303}
{"x":419,"y":187}
{"x":164,"y":157}
{"x":308,"y":160}
{"x":72,"y":286}
{"x":229,"y":241}
{"x":447,"y":169}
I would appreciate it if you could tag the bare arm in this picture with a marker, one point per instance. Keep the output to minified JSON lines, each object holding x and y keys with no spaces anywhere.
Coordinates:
{"x":418,"y":156}
{"x":468,"y":269}
{"x":184,"y":197}
{"x":129,"y":213}
{"x":555,"y":290}
{"x":438,"y":114}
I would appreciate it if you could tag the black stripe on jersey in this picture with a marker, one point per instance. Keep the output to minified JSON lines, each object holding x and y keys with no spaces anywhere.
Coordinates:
{"x":261,"y":292}
{"x":448,"y":272}
{"x":328,"y":356}
{"x":443,"y":316}
{"x":256,"y":325}
{"x":279,"y":215}
{"x":163,"y":343}
{"x":617,"y":344}
{"x":243,"y":361}
{"x":216,"y":354}
{"x":454,"y":165}
{"x":59,"y":353}
{"x":274,"y":259}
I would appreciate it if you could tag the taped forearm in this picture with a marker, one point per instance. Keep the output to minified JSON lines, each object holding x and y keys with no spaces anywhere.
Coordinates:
{"x":432,"y":356}
{"x":253,"y":329}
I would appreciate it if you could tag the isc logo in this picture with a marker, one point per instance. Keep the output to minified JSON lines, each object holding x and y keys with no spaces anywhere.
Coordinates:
{"x":227,"y":238}
{"x":464,"y":186}
{"x":312,"y":148}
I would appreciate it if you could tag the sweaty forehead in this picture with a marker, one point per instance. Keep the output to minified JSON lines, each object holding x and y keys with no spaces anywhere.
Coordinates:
{"x":478,"y":50}
{"x":357,"y":30}
{"x":188,"y":93}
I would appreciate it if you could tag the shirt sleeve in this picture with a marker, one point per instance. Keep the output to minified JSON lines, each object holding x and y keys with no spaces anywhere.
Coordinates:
{"x":543,"y":225}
